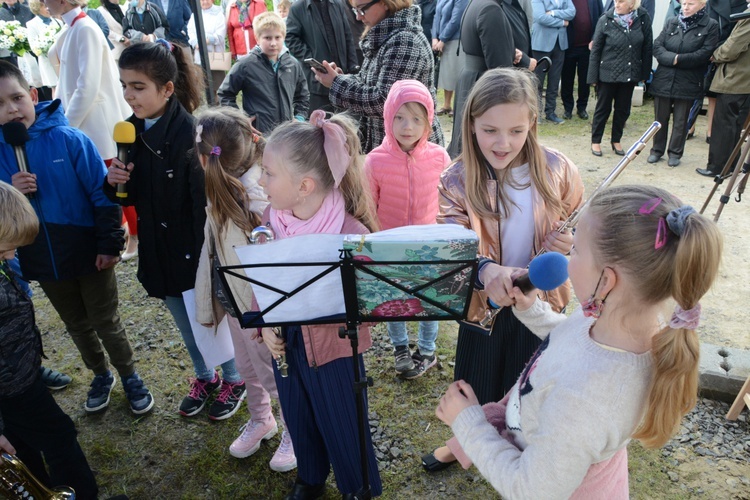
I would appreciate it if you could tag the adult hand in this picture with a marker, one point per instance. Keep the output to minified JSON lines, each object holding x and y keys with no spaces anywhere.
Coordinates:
{"x":456,"y":399}
{"x":558,"y":242}
{"x":6,"y":446}
{"x":326,"y":79}
{"x":252,"y":128}
{"x":24,"y":182}
{"x":106,"y":261}
{"x":434,"y":44}
{"x":275,"y":344}
{"x":591,"y":44}
{"x":532,"y":64}
{"x":126,"y":41}
{"x":439,"y":46}
{"x":517,"y":57}
{"x":118,"y":173}
{"x":566,"y":23}
{"x":498,"y":282}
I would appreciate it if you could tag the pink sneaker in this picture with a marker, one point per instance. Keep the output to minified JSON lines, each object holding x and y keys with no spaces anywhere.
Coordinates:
{"x":253,"y":433}
{"x":284,"y":459}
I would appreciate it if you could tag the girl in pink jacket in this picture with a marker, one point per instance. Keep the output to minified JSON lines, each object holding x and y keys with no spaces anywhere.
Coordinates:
{"x":404,"y":172}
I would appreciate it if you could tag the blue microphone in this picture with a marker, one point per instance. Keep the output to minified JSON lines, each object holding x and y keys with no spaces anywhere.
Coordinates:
{"x":546,"y":272}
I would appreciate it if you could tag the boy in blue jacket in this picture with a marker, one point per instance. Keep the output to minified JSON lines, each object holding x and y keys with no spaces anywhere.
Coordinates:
{"x":31,"y":422}
{"x":80,"y":239}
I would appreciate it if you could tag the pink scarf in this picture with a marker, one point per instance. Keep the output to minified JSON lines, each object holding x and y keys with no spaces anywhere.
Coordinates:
{"x":329,"y":219}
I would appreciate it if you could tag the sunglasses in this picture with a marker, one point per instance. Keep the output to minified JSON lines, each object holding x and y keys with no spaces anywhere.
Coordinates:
{"x":362,"y":9}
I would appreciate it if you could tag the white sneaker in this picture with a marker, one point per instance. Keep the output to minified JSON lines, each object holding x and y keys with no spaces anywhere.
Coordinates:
{"x":284,"y":459}
{"x":253,"y":433}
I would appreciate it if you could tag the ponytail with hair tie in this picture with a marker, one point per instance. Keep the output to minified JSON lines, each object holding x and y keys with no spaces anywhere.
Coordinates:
{"x":165,"y":43}
{"x":335,"y":145}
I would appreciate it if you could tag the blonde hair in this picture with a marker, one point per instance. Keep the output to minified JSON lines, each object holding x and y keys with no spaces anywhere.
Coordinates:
{"x":228,"y":201}
{"x":19,"y":224}
{"x":35,"y":6}
{"x":495,"y":87}
{"x":394,"y":6}
{"x":302,"y":145}
{"x":286,"y":4}
{"x":683,"y":269}
{"x":268,"y":21}
{"x":418,"y":109}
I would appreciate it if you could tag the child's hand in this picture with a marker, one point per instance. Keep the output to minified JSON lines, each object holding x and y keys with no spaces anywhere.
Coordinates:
{"x":6,"y":446}
{"x":498,"y":282}
{"x":118,"y":173}
{"x":457,"y":398}
{"x":522,"y":301}
{"x":558,"y":242}
{"x":106,"y":261}
{"x":24,"y":182}
{"x":275,"y":344}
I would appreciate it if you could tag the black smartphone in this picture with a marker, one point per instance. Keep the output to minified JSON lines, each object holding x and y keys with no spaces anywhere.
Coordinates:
{"x":314,"y":63}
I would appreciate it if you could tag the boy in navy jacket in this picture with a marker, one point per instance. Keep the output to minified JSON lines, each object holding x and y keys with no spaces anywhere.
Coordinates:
{"x":80,"y":237}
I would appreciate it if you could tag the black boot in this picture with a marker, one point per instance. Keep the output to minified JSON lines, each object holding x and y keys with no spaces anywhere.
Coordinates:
{"x":302,"y":491}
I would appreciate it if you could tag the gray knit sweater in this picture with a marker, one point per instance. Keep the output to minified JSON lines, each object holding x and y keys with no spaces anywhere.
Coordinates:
{"x":575,"y":405}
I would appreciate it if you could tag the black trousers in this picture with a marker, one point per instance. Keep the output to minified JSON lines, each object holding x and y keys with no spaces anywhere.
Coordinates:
{"x":729,"y":116}
{"x":491,"y":364}
{"x":607,"y":93}
{"x":553,"y":77}
{"x":576,"y":61}
{"x":663,"y":108}
{"x":36,"y":426}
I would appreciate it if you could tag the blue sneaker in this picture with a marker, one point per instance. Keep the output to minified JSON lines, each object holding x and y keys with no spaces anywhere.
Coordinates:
{"x":101,"y":388}
{"x":53,"y":379}
{"x":141,"y":400}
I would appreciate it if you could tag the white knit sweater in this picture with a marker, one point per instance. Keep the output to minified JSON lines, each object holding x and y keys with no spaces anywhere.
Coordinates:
{"x":575,"y":405}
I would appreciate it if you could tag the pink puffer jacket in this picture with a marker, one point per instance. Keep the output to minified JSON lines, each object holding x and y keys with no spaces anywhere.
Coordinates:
{"x":404,"y":185}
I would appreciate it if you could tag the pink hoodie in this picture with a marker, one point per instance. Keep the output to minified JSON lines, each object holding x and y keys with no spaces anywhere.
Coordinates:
{"x":404,"y":185}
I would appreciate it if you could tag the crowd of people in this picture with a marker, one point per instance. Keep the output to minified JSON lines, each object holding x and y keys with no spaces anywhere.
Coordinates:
{"x":196,"y":179}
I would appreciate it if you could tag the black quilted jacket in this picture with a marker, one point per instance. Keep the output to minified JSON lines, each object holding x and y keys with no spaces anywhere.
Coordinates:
{"x":395,"y":49}
{"x":621,"y":55}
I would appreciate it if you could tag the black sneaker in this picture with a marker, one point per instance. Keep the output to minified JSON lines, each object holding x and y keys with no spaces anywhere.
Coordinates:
{"x":200,"y":390}
{"x":53,"y":379}
{"x":568,"y":115}
{"x":404,"y":363}
{"x":228,"y":401}
{"x":141,"y":400}
{"x":98,"y":396}
{"x":421,"y":365}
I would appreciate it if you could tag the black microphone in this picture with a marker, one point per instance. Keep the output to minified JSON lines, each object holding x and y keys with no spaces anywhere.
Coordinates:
{"x":739,"y":16}
{"x":17,"y":135}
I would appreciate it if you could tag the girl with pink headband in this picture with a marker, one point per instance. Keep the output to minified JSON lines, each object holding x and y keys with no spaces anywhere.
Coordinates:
{"x":312,"y":175}
{"x":619,"y":368}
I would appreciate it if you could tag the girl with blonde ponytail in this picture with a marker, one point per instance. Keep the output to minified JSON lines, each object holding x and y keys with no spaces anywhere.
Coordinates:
{"x":616,"y":369}
{"x":230,"y":155}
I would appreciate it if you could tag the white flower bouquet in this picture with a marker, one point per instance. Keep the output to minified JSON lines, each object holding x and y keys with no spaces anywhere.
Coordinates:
{"x":13,"y":37}
{"x":41,"y":44}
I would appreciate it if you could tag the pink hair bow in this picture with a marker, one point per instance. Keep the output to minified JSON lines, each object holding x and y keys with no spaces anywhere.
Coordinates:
{"x":335,"y":145}
{"x":686,"y":319}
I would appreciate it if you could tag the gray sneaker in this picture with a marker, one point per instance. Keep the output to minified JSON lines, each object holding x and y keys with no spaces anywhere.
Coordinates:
{"x":101,"y":388}
{"x":421,"y":365}
{"x":404,"y":362}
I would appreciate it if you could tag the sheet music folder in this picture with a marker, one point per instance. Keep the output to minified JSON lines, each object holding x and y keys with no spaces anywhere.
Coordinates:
{"x":409,"y":273}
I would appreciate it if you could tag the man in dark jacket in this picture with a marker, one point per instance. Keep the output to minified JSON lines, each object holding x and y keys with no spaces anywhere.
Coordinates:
{"x":580,"y":33}
{"x":319,"y":29}
{"x":178,"y":14}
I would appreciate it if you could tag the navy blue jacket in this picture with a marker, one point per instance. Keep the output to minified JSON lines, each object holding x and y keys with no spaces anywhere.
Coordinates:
{"x":77,"y":221}
{"x":178,"y":16}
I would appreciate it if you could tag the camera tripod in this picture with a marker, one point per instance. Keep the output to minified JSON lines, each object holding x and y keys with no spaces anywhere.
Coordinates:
{"x":743,"y":167}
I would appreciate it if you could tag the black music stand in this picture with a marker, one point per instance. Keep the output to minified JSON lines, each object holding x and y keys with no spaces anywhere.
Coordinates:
{"x":351,"y":269}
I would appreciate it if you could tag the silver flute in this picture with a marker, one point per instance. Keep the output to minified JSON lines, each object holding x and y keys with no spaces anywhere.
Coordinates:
{"x":260,"y":235}
{"x":572,"y":220}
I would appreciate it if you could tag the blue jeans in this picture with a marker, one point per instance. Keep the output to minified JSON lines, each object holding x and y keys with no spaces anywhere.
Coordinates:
{"x":428,"y":331}
{"x":229,"y":373}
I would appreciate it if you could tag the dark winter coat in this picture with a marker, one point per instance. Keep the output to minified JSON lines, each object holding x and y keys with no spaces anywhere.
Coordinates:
{"x":16,"y":12}
{"x":20,"y":341}
{"x":177,"y":18}
{"x":694,"y":48}
{"x":272,"y":97}
{"x":395,"y":49}
{"x":152,"y":22}
{"x":167,"y":187}
{"x":621,"y":55}
{"x":428,"y":8}
{"x":77,"y":222}
{"x":306,"y":38}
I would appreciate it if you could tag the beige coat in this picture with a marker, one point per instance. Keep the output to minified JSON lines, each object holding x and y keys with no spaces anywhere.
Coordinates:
{"x":564,"y":179}
{"x":733,"y":62}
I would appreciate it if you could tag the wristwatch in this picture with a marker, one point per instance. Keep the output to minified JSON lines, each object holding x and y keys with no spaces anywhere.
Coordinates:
{"x":122,"y":39}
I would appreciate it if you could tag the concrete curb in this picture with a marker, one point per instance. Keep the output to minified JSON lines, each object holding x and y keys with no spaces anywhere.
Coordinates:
{"x":723,"y":371}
